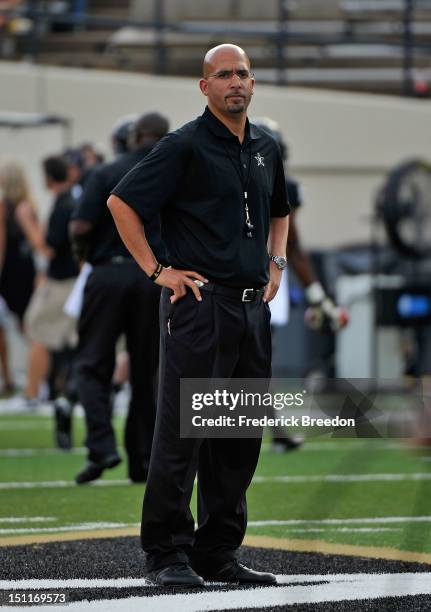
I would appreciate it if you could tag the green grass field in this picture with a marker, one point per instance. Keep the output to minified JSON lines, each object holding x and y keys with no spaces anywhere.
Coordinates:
{"x":362,"y":492}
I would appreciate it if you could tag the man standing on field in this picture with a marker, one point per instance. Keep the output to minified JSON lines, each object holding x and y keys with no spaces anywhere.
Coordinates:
{"x":218,"y":184}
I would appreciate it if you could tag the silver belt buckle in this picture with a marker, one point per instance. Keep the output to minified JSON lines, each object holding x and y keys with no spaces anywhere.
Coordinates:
{"x":245,"y":297}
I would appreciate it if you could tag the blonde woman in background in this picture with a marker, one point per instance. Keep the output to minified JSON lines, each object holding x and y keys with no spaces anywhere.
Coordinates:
{"x":21,"y":236}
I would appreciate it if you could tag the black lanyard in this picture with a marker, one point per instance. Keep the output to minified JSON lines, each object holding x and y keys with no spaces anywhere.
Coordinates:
{"x":244,"y":183}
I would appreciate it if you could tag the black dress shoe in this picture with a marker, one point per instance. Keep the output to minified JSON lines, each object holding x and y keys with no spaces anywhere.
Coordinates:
{"x":286,"y":444}
{"x":237,"y":572}
{"x":178,"y":574}
{"x":93,"y":470}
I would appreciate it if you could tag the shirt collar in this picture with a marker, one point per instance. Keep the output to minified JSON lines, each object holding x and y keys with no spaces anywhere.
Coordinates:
{"x":219,"y":129}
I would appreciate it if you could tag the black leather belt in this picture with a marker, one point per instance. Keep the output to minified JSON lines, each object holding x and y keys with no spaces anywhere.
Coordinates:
{"x":117,"y":259}
{"x":244,"y":295}
{"x":121,"y":259}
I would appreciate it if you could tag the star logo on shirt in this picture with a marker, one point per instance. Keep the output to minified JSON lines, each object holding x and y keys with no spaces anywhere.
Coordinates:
{"x":259,"y":158}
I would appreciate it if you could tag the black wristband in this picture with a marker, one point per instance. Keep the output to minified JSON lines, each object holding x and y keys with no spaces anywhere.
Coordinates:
{"x":155,"y":275}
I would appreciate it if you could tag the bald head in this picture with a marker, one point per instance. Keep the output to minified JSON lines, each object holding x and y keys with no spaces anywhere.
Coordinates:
{"x":226,"y":52}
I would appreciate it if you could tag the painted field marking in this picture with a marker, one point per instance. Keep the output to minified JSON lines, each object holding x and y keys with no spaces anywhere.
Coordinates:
{"x":330,"y":478}
{"x":344,"y":478}
{"x":345,"y":521}
{"x":309,"y":447}
{"x":35,"y":452}
{"x":340,"y":529}
{"x":30,"y":452}
{"x":87,"y":526}
{"x":291,"y":590}
{"x":60,"y":484}
{"x":27,"y":519}
{"x":296,"y":525}
{"x":65,"y":529}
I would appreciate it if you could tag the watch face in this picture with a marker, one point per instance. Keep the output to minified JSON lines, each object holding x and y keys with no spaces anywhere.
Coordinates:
{"x":280,"y":262}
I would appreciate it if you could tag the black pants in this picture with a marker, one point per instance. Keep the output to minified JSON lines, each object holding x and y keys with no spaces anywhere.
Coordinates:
{"x":119,"y":299}
{"x":219,"y":337}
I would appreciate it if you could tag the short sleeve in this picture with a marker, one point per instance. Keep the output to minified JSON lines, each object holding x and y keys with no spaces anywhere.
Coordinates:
{"x":92,"y":204}
{"x":280,"y":206}
{"x":152,"y":183}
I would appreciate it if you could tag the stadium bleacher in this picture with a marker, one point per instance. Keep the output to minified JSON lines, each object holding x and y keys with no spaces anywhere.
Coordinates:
{"x":357,"y":45}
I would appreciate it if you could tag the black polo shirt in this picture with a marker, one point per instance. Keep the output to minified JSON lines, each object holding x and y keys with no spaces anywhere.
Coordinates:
{"x":195,"y":178}
{"x":63,"y":264}
{"x":104,"y":240}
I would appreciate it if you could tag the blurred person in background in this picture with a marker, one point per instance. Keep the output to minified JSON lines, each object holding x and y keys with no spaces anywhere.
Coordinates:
{"x":21,"y":237}
{"x":322,"y":312}
{"x":121,"y":133}
{"x":76,"y":173}
{"x":118,"y":299}
{"x":91,"y":156}
{"x":51,"y":331}
{"x":8,"y":384}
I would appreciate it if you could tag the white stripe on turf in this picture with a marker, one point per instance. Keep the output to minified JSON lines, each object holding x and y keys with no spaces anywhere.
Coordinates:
{"x":333,"y":478}
{"x":30,"y":452}
{"x":345,"y":521}
{"x":59,"y":484}
{"x":292,"y":590}
{"x":27,"y":519}
{"x":78,"y":527}
{"x":96,"y":526}
{"x":340,"y":529}
{"x":344,"y":477}
{"x":297,"y":525}
{"x":35,"y":452}
{"x":78,"y":583}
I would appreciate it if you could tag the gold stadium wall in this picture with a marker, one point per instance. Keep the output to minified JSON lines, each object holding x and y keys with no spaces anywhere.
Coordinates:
{"x":341,"y":144}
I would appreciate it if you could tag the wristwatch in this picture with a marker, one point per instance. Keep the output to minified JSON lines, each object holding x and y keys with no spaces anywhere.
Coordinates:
{"x":279,"y":260}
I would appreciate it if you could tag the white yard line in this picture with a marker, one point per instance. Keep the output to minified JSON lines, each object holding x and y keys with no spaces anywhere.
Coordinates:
{"x":78,"y":527}
{"x":340,"y":529}
{"x":294,"y":525}
{"x":101,"y":525}
{"x":332,"y":478}
{"x":346,"y":521}
{"x":27,"y":519}
{"x":308,"y":446}
{"x":344,"y":478}
{"x":35,"y":452}
{"x":60,"y":484}
{"x":75,"y":583}
{"x":340,"y":587}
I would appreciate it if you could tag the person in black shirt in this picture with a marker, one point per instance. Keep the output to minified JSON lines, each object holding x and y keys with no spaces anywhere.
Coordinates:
{"x":218,"y":184}
{"x":118,"y":299}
